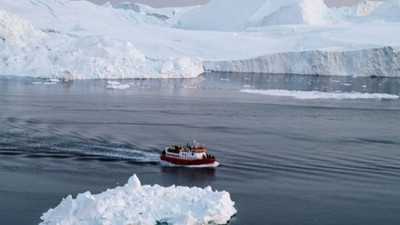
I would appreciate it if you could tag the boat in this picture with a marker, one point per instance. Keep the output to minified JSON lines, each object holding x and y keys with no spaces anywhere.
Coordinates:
{"x":187,"y":155}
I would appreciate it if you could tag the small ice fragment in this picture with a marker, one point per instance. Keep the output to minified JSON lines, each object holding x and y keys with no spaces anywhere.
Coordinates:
{"x":116,"y":85}
{"x":49,"y":81}
{"x":54,"y":80}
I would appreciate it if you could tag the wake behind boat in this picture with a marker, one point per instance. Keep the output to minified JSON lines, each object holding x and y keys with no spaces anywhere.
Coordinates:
{"x":187,"y":155}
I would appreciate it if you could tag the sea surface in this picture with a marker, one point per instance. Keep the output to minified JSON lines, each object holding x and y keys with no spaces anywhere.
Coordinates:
{"x":283,"y":160}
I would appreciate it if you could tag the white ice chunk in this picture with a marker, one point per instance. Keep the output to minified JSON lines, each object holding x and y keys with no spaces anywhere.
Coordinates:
{"x":116,"y":85}
{"x":54,"y":80}
{"x":134,"y":203}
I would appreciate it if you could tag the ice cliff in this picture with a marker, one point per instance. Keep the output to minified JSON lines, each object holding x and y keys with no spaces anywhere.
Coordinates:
{"x":367,"y":62}
{"x":135,"y":203}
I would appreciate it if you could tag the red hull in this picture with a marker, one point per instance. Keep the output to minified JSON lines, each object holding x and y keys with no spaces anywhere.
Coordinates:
{"x":187,"y":161}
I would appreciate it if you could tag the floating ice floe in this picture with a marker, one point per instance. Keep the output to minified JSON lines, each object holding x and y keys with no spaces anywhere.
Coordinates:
{"x":48,"y":81}
{"x":320,"y":95}
{"x":116,"y":85}
{"x":52,"y":81}
{"x":134,"y":203}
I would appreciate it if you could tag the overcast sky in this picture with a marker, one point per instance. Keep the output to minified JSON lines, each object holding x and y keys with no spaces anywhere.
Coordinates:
{"x":165,"y":3}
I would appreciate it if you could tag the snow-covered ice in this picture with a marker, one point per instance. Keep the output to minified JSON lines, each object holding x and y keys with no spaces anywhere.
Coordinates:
{"x":229,"y":15}
{"x":80,"y":40}
{"x":51,"y":53}
{"x":135,"y":203}
{"x":319,"y":95}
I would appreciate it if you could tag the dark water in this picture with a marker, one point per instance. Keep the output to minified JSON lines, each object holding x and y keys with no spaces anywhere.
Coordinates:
{"x":284,"y":161}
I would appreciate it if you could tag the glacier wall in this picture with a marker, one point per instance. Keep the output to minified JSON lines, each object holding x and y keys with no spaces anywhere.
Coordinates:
{"x":383,"y":62}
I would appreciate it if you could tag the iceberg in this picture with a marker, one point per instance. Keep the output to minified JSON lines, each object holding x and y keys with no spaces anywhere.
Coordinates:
{"x":360,"y":10}
{"x":319,"y":95}
{"x":303,"y":37}
{"x":229,"y":15}
{"x":161,"y":14}
{"x":365,"y":7}
{"x":135,"y":203}
{"x":300,"y":12}
{"x":28,"y":51}
{"x":65,"y":15}
{"x":80,"y":40}
{"x":389,"y":11}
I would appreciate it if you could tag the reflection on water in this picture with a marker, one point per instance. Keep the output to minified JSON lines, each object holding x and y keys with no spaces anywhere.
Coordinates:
{"x":307,"y":83}
{"x":227,"y":81}
{"x":277,"y":81}
{"x":198,"y":176}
